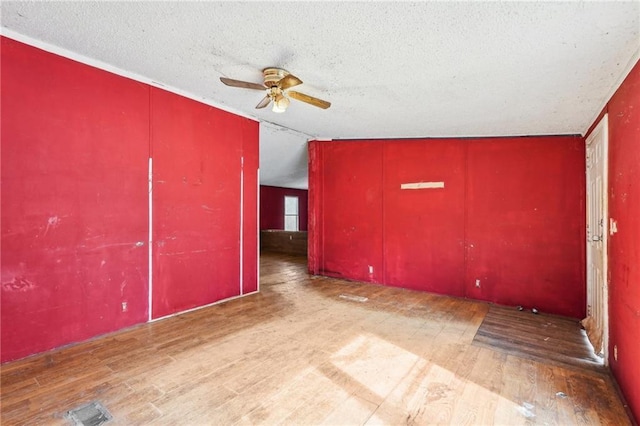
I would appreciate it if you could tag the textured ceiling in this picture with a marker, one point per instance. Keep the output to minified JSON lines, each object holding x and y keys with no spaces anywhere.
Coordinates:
{"x":390,"y":69}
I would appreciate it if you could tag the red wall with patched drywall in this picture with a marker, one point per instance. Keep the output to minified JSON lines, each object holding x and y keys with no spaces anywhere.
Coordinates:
{"x":624,"y":246}
{"x":272,"y":206}
{"x":75,"y":203}
{"x":511,"y":214}
{"x":424,"y":228}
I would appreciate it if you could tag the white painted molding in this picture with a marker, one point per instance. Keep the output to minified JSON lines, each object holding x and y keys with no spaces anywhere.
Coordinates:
{"x":258,"y":233}
{"x":242,"y":225}
{"x":150,"y":242}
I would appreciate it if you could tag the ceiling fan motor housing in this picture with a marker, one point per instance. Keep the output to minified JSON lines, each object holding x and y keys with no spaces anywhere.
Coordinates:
{"x":273,"y":75}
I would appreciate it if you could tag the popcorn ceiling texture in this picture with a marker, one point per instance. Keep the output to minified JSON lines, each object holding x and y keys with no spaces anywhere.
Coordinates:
{"x":391,"y":70}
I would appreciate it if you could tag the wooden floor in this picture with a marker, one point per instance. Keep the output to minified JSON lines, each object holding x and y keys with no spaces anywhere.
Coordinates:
{"x":310,"y":350}
{"x":546,"y":338}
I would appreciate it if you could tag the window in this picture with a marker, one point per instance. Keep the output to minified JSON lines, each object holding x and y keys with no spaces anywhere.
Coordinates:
{"x":290,"y":213}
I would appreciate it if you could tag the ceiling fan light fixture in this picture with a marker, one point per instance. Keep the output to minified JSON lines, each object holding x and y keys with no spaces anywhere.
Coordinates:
{"x":277,"y":108}
{"x":276,"y":81}
{"x":280,"y":103}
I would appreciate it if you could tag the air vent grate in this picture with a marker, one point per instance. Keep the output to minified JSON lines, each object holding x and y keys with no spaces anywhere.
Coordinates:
{"x":91,"y":414}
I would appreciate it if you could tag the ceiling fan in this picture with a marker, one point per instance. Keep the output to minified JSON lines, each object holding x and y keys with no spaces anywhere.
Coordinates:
{"x":277,"y":83}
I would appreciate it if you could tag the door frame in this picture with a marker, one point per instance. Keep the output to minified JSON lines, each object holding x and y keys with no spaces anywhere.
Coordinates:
{"x":601,"y":130}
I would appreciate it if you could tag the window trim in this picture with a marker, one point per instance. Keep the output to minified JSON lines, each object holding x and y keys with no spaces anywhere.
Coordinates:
{"x":296,"y":215}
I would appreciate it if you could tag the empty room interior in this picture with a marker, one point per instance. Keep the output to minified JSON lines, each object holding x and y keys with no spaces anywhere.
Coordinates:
{"x":339,"y":213}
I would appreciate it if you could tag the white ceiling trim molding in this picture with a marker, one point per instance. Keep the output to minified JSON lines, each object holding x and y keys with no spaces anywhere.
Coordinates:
{"x":47,"y":47}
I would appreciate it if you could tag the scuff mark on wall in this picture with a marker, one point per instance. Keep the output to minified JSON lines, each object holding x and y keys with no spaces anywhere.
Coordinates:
{"x":53,"y":221}
{"x":104,"y":246}
{"x":18,"y":283}
{"x":177,"y":253}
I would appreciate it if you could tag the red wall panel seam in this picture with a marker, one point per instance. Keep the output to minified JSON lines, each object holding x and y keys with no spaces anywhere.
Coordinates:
{"x":241,"y":227}
{"x":322,"y":264}
{"x":382,"y":196}
{"x":465,"y":242}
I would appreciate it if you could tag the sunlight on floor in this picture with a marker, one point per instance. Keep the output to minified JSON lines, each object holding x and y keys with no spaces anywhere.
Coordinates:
{"x":406,"y":386}
{"x":375,"y":363}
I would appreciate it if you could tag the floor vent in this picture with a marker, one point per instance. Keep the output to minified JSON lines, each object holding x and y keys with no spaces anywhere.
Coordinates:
{"x":91,"y":414}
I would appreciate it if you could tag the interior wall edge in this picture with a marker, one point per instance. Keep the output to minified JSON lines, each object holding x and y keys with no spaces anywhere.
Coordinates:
{"x":635,"y":57}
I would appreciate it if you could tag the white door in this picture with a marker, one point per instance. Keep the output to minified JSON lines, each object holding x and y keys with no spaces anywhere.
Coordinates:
{"x":597,"y":291}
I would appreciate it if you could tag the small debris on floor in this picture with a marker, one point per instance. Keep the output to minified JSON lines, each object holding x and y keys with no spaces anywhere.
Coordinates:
{"x":520,"y":308}
{"x":561,"y":394}
{"x":527,"y":410}
{"x":353,"y":298}
{"x":546,"y":338}
{"x":534,"y":310}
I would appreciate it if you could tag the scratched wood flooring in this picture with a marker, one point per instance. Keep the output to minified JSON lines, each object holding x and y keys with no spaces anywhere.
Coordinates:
{"x":546,"y":338}
{"x":309,"y":350}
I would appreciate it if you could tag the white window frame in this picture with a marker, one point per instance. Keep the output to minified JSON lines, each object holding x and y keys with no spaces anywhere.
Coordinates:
{"x":289,"y":214}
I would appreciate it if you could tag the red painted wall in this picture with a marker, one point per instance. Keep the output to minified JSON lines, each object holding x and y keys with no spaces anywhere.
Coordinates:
{"x":624,"y":246}
{"x":272,"y":206}
{"x":75,"y":144}
{"x":197,"y":167}
{"x":424,"y":229}
{"x":351,"y":212}
{"x":511,"y":214}
{"x":75,"y":221}
{"x":250,"y":216}
{"x":525,"y":215}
